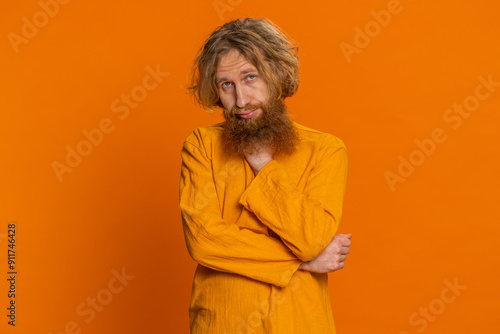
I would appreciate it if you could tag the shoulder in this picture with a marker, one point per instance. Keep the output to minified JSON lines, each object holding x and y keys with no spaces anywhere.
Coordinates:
{"x":202,"y":139}
{"x":206,"y":137}
{"x":318,"y":138}
{"x":202,"y":136}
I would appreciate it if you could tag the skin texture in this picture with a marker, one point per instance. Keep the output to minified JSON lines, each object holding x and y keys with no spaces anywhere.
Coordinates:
{"x":242,"y":88}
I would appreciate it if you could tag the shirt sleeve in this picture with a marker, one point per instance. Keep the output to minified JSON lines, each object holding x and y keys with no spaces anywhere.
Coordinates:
{"x":219,"y":244}
{"x":306,"y":221}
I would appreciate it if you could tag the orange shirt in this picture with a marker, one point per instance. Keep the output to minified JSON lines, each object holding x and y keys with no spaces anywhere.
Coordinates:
{"x":250,"y":233}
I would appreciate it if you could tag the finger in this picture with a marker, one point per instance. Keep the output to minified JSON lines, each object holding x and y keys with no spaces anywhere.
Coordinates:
{"x":336,"y":267}
{"x":342,"y":258}
{"x":345,"y":250}
{"x":345,"y":242}
{"x":347,"y":236}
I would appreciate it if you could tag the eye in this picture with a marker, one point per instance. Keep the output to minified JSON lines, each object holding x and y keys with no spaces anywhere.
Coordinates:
{"x":250,"y":77}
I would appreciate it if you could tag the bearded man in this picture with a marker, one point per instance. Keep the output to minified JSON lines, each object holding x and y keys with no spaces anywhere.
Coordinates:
{"x":260,"y":195}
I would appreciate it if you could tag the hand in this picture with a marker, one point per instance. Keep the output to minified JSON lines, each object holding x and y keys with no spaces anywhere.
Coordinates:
{"x":258,"y":157}
{"x":333,"y":256}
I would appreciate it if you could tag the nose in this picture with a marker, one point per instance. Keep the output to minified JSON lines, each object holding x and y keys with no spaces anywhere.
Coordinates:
{"x":241,"y":96}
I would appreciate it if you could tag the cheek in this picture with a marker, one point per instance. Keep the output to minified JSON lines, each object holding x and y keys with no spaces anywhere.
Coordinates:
{"x":227,"y":103}
{"x":225,"y":100}
{"x":263,"y":93}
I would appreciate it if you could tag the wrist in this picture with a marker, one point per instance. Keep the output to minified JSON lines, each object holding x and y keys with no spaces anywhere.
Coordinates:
{"x":303,"y":266}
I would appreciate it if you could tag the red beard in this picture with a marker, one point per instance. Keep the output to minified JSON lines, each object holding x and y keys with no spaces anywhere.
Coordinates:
{"x":272,"y":128}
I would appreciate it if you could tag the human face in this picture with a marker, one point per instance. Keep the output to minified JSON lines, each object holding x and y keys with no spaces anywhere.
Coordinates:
{"x":240,"y":86}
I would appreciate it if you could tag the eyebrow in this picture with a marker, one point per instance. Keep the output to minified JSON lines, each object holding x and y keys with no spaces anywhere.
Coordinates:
{"x":245,"y":71}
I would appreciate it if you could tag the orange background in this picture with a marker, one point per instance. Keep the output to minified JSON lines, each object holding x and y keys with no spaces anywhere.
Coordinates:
{"x":118,"y":208}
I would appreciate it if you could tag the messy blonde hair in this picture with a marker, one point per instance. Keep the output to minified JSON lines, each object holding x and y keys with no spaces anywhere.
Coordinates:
{"x":262,"y":43}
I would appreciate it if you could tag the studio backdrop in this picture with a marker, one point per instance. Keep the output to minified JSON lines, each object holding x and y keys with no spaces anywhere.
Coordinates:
{"x":94,"y":114}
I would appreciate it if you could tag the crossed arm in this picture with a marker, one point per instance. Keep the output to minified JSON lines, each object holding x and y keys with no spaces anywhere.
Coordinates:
{"x":221,"y":245}
{"x":332,"y":256}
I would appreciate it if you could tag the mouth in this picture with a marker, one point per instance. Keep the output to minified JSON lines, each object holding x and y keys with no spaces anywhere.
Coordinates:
{"x":247,"y":114}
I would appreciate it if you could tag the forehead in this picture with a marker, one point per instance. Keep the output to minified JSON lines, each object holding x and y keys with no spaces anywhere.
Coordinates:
{"x":233,"y":62}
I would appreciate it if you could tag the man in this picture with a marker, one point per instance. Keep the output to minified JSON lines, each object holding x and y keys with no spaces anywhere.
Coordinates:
{"x":260,"y":195}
